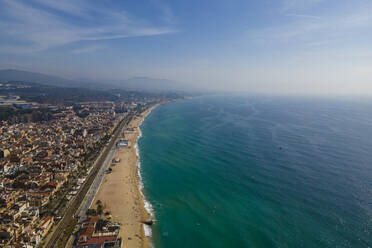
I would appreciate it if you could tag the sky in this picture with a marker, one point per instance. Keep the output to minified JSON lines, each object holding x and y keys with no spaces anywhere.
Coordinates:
{"x":270,"y":46}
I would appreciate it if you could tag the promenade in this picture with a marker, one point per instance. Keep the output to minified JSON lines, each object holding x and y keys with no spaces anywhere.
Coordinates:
{"x":76,"y":202}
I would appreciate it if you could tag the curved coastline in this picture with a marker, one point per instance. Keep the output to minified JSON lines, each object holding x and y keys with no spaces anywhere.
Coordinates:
{"x":146,"y":204}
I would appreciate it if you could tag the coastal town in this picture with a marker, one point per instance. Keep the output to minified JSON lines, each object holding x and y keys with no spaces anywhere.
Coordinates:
{"x":43,"y":167}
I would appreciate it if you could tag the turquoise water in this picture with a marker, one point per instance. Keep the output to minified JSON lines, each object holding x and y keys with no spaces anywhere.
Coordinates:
{"x":259,"y":172}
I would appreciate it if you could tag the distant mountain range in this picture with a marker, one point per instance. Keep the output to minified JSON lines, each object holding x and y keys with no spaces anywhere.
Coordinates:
{"x":136,"y":83}
{"x":26,"y":76}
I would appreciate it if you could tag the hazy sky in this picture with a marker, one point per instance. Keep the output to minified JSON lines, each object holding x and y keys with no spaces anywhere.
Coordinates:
{"x":314,"y":46}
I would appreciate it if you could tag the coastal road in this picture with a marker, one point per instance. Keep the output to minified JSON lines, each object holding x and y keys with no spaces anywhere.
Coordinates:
{"x":89,"y":197}
{"x":76,"y":202}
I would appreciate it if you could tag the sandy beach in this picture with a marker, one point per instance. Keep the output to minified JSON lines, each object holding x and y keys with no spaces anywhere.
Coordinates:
{"x":120,"y":193}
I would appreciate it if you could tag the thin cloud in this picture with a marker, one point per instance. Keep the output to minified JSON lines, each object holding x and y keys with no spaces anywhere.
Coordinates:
{"x":167,"y":13}
{"x":288,"y":5}
{"x":87,"y":49}
{"x":318,"y":30}
{"x":304,"y":16}
{"x":41,"y":25}
{"x":65,"y":6}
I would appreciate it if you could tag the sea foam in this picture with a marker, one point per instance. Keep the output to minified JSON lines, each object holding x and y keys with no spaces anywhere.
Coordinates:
{"x":146,"y":203}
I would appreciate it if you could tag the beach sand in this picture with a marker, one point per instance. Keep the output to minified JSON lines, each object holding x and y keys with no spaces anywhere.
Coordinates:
{"x":120,"y":193}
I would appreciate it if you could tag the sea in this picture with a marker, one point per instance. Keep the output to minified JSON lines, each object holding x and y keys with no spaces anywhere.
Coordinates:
{"x":259,"y":171}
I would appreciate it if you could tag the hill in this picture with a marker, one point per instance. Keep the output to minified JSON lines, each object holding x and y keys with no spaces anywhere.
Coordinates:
{"x":26,"y":76}
{"x":135,"y":83}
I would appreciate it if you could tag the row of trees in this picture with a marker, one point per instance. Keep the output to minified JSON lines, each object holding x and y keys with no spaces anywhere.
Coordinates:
{"x":97,"y":211}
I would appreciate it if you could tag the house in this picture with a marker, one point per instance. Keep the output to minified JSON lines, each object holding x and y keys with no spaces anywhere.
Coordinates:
{"x":52,"y":186}
{"x":93,"y":234}
{"x":6,"y":200}
{"x":115,"y":160}
{"x":122,"y":143}
{"x":45,"y":225}
{"x":129,"y":130}
{"x":4,"y":153}
{"x":100,"y":242}
{"x":5,"y":236}
{"x":87,"y":229}
{"x":80,"y":181}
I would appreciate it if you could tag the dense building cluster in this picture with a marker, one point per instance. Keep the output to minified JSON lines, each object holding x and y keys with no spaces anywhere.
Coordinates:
{"x":98,"y":232}
{"x":38,"y":159}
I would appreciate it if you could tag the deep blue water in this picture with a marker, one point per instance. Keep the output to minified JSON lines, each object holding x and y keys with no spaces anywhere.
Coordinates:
{"x":259,"y":172}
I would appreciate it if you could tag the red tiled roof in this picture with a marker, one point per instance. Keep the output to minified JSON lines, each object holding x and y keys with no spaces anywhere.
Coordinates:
{"x":46,"y":219}
{"x":86,"y":231}
{"x":92,"y":219}
{"x":98,"y":240}
{"x":52,"y":184}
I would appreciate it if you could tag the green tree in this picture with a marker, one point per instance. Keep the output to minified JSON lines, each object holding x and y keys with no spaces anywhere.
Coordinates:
{"x":99,"y":210}
{"x":91,"y":212}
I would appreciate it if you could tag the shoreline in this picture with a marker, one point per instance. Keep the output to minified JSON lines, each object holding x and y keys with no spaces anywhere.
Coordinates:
{"x":121,"y":191}
{"x":146,"y":204}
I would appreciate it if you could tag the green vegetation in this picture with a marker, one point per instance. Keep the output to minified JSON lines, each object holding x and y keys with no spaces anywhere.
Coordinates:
{"x":99,"y":207}
{"x":91,"y":212}
{"x":99,"y":210}
{"x":94,"y":212}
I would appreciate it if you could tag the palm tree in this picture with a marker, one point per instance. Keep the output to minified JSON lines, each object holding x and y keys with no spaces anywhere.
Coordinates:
{"x":99,"y":210}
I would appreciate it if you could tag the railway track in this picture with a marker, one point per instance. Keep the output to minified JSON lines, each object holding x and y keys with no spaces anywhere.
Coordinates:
{"x":76,"y":202}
